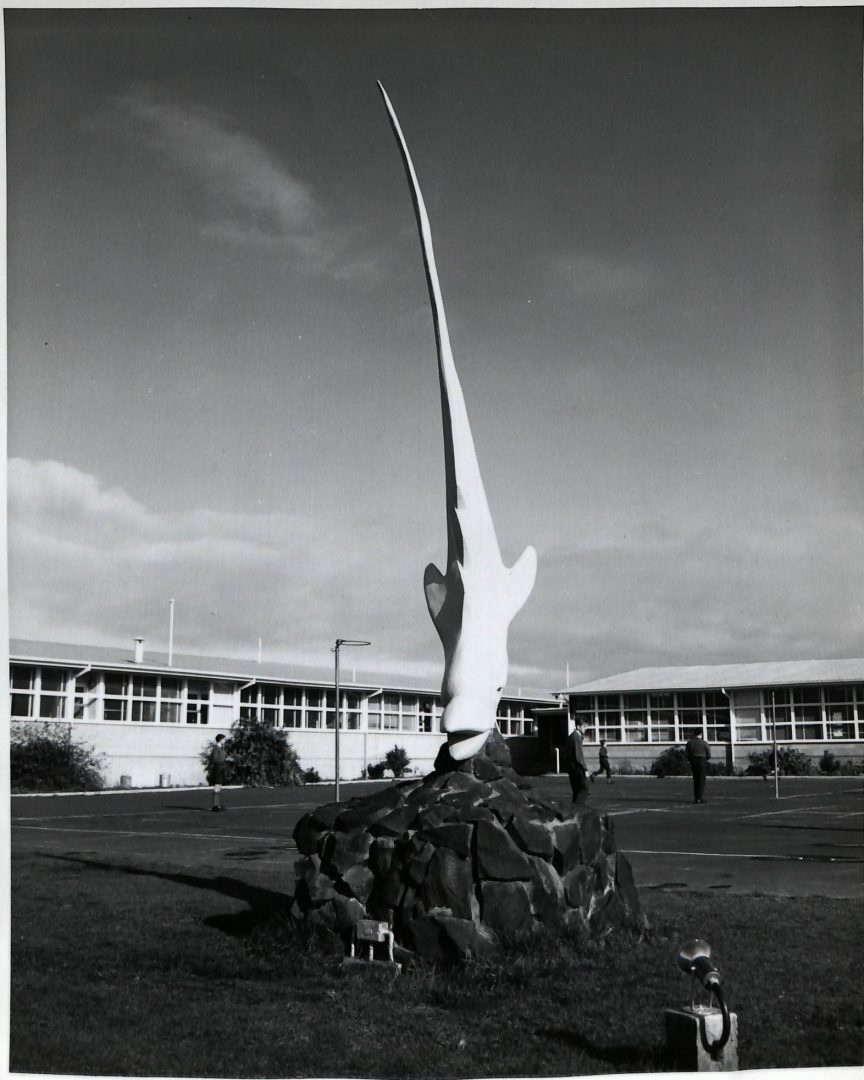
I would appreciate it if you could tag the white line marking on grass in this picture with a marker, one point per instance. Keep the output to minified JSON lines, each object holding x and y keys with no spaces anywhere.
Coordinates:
{"x":726,"y":855}
{"x":148,"y":814}
{"x":804,"y":810}
{"x":640,"y":810}
{"x":129,"y":832}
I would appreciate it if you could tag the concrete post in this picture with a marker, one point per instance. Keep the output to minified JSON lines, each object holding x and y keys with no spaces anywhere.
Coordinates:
{"x":689,"y":1034}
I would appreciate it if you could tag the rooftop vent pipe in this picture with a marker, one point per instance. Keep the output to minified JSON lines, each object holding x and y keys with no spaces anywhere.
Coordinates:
{"x":139,"y":650}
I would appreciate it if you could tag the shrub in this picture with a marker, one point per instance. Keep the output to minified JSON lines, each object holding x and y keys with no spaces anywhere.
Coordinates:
{"x":258,"y":755}
{"x":43,"y":757}
{"x":311,"y":776}
{"x":672,"y":762}
{"x":397,"y":761}
{"x":376,"y":772}
{"x":851,"y":768}
{"x":789,"y":762}
{"x":829,"y":763}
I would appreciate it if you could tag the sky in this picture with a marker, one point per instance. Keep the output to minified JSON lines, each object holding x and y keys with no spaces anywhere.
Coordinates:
{"x":222,"y":382}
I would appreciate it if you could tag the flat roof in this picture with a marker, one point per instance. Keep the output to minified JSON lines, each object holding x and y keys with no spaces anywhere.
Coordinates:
{"x":110,"y":656}
{"x":716,"y":676}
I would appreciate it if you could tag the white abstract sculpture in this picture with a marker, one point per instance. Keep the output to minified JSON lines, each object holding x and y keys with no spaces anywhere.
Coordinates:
{"x":473,"y":603}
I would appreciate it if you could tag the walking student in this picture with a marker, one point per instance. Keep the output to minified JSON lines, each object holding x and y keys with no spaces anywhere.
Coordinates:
{"x":604,"y":764}
{"x":577,"y":768}
{"x":217,"y":772}
{"x":698,"y":752}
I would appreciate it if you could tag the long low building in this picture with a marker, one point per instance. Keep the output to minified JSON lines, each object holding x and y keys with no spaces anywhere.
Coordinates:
{"x":813,"y":705}
{"x":150,"y":719}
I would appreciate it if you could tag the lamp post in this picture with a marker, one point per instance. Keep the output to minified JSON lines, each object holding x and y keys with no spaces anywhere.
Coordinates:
{"x":336,"y":721}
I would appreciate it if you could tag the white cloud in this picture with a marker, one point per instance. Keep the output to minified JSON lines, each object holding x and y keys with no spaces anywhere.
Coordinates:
{"x":92,"y":564}
{"x":245,"y":195}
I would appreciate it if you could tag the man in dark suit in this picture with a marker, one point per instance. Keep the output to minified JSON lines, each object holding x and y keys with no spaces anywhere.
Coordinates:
{"x":577,"y":767}
{"x":698,"y":752}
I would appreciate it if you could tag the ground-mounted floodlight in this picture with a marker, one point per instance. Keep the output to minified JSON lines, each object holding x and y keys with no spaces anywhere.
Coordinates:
{"x":690,"y":1045}
{"x":339,"y":643}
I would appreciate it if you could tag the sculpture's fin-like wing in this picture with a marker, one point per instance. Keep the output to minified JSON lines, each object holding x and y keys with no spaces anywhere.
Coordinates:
{"x":435,"y":587}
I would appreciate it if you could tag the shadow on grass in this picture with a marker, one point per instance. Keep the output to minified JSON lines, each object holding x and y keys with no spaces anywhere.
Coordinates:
{"x":263,"y":903}
{"x":626,"y":1058}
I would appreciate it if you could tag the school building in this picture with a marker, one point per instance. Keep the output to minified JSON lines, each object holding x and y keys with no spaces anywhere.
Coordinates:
{"x":151,"y":719}
{"x":813,"y":705}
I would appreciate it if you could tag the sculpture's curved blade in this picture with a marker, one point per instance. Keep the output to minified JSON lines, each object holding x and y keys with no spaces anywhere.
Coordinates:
{"x":472,"y":603}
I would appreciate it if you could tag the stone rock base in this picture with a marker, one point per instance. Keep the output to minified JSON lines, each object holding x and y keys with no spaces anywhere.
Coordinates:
{"x":457,"y":859}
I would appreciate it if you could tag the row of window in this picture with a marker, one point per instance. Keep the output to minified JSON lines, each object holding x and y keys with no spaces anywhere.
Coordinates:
{"x":800,"y":713}
{"x":56,"y":694}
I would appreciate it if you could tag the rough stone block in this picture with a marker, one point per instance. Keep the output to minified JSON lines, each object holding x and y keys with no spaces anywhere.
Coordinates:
{"x":498,"y":857}
{"x":579,"y":886}
{"x":346,"y":912}
{"x":530,"y":835}
{"x":307,"y":834}
{"x":449,"y":883}
{"x":395,"y":823}
{"x":627,"y":888}
{"x":567,"y":840}
{"x":484,"y":769}
{"x":506,"y":906}
{"x":455,"y":835}
{"x":358,"y":880}
{"x":343,"y":850}
{"x":381,"y":855}
{"x":421,"y":852}
{"x":592,"y":836}
{"x":547,"y":891}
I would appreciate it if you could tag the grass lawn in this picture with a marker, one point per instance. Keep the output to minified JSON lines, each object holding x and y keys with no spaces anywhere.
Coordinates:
{"x":165,"y":972}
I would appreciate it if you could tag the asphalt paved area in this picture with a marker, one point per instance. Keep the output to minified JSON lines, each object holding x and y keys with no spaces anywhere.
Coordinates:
{"x":809,"y":842}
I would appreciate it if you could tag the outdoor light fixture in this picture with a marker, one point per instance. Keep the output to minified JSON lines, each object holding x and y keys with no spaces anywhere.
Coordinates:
{"x":694,"y":959}
{"x":339,"y":643}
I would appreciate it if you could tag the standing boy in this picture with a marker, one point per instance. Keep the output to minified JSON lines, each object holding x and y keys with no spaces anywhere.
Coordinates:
{"x":217,"y":772}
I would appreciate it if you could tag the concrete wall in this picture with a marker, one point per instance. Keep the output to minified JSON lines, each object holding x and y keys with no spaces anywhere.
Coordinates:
{"x":147,"y":753}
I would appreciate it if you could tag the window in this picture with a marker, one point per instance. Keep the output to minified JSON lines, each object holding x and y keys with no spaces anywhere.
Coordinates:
{"x":690,"y":715}
{"x":427,"y":714}
{"x":635,"y":718}
{"x":313,"y":709}
{"x":514,"y":719}
{"x":748,"y":716}
{"x":840,"y":711}
{"x":23,"y":680}
{"x":778,"y":711}
{"x":87,"y":687}
{"x":197,"y":701}
{"x":662,"y":709}
{"x":583,"y":711}
{"x":807,"y":707}
{"x":717,"y":722}
{"x":292,"y":712}
{"x":52,"y":694}
{"x":115,"y":705}
{"x":609,"y":717}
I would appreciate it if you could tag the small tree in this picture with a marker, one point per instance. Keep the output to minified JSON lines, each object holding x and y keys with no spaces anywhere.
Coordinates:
{"x":43,"y":757}
{"x":258,"y":755}
{"x":672,"y":762}
{"x":790,"y":762}
{"x":829,"y":763}
{"x":397,"y":761}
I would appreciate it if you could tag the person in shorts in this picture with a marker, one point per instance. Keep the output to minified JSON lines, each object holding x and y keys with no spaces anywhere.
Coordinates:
{"x":604,"y":764}
{"x":217,"y":773}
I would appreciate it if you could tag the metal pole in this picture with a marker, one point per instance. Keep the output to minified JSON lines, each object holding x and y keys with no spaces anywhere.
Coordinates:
{"x":774,"y":741}
{"x":336,"y":718}
{"x":339,"y":643}
{"x":170,"y":632}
